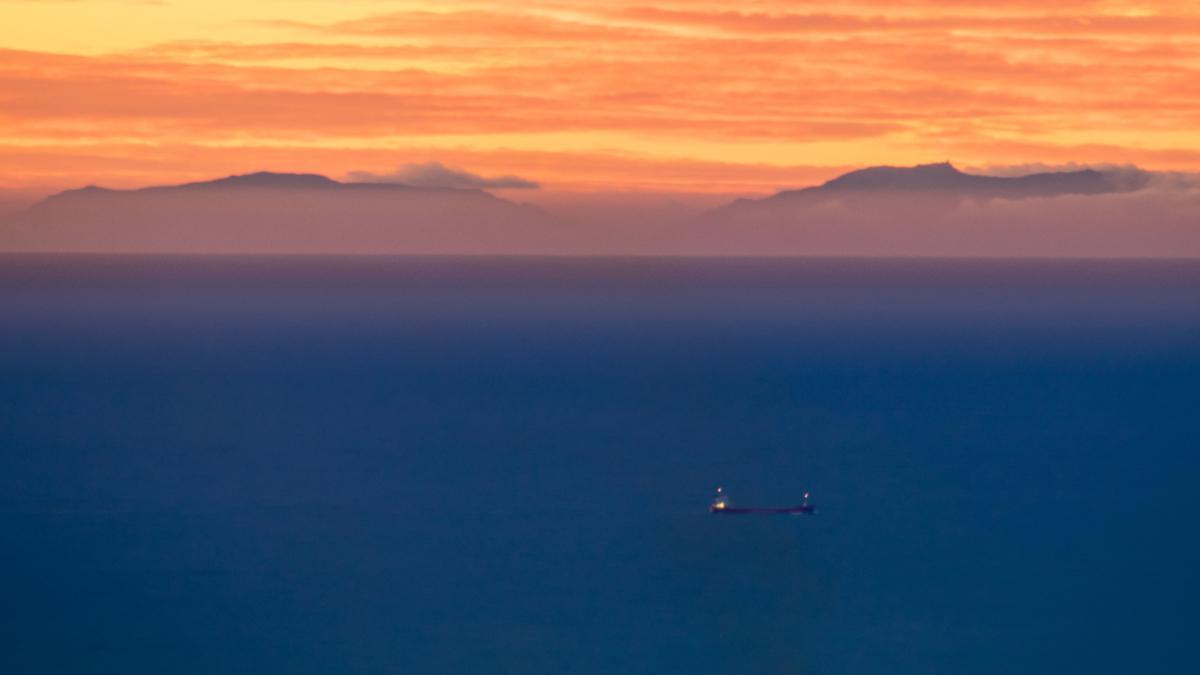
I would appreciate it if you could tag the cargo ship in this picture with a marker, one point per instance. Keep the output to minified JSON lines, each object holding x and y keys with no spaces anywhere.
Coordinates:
{"x":723,"y":507}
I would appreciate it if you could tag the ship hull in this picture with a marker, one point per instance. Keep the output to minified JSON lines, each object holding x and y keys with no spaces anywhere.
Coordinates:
{"x":789,"y":510}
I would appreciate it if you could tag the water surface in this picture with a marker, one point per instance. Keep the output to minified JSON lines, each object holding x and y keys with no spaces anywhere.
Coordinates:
{"x":502,"y":465}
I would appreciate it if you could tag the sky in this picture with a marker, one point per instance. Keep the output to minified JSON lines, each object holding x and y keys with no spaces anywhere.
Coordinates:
{"x":568,"y":96}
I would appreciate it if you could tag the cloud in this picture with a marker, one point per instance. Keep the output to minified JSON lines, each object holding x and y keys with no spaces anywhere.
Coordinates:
{"x":438,"y":175}
{"x":758,"y":88}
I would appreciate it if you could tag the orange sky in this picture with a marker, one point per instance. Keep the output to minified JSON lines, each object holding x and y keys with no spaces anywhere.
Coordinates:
{"x":686,"y":95}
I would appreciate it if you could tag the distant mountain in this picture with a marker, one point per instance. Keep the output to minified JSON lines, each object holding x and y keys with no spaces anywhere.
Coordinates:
{"x":928,"y":210}
{"x":936,"y":209}
{"x":940,"y":183}
{"x":264,"y":179}
{"x":280,"y":213}
{"x":945,"y":177}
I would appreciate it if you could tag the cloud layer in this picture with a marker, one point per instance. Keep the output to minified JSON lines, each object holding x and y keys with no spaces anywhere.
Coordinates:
{"x":655,"y":92}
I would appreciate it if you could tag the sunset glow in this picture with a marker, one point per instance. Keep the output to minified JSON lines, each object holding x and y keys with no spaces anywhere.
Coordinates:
{"x":641,"y":94}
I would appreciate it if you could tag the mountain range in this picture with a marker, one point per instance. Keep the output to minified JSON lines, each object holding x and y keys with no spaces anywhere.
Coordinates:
{"x":279,"y":213}
{"x":931,"y":209}
{"x":938,"y":184}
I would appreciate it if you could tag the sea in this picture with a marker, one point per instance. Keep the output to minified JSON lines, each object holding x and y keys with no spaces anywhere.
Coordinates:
{"x":328,"y":465}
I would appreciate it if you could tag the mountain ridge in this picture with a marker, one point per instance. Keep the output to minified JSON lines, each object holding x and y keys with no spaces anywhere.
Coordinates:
{"x":945,"y":177}
{"x":924,"y":210}
{"x":273,"y":211}
{"x":259,"y":180}
{"x":939,"y":184}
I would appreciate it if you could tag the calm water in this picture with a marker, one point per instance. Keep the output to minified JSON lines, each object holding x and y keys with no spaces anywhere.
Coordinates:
{"x":503,"y":466}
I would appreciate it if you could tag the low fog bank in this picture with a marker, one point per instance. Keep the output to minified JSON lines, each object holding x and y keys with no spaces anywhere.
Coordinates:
{"x":616,"y":223}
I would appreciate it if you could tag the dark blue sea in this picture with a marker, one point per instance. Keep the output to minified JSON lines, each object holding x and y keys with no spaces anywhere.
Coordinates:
{"x":503,"y":465}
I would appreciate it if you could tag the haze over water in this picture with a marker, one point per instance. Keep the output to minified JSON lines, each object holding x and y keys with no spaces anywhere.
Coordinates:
{"x":503,"y":465}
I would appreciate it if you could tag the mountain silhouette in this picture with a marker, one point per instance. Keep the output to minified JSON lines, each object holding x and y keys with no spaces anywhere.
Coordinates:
{"x":936,"y":184}
{"x":945,"y":177}
{"x":926,"y":210}
{"x":280,"y":212}
{"x":938,"y":210}
{"x":930,"y":187}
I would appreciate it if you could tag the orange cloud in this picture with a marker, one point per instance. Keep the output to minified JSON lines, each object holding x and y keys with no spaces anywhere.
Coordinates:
{"x":664,"y":83}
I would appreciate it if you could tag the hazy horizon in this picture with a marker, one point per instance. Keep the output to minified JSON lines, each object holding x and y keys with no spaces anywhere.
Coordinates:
{"x":934,"y":210}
